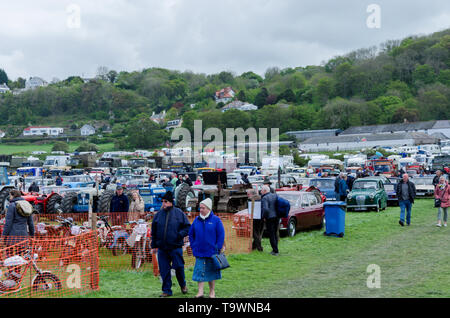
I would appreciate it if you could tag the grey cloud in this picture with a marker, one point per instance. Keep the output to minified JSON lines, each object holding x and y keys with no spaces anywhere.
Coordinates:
{"x":200,"y":35}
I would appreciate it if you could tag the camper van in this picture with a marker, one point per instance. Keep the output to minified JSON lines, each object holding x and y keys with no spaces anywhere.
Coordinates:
{"x":56,"y":161}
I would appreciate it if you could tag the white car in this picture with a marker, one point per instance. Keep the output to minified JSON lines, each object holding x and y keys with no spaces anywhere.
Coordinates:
{"x":424,"y":186}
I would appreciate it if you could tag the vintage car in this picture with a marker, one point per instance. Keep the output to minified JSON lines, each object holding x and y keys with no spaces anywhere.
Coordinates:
{"x":79,"y":181}
{"x":367,"y":193}
{"x":390,"y":189}
{"x":424,"y":186}
{"x":326,"y":186}
{"x":306,"y":212}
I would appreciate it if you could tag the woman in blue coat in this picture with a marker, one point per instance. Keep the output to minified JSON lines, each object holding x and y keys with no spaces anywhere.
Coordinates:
{"x":206,"y":237}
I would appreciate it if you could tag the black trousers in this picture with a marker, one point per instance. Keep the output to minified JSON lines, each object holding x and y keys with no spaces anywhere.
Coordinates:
{"x":272,"y":229}
{"x":258,"y":229}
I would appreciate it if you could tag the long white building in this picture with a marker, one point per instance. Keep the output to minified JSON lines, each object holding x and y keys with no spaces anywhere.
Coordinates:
{"x":40,"y":131}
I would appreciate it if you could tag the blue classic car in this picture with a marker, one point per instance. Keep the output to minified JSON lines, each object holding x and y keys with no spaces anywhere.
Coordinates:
{"x":326,"y":186}
{"x":79,"y":181}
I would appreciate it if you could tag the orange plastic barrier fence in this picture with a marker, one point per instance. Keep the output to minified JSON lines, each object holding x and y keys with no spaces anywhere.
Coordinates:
{"x":49,"y":266}
{"x":123,"y":244}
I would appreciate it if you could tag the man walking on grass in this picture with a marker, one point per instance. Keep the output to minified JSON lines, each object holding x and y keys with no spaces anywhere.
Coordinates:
{"x":406,"y":192}
{"x":169,"y":227}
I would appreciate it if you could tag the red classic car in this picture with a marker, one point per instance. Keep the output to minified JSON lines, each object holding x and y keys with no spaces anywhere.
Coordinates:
{"x":306,"y":212}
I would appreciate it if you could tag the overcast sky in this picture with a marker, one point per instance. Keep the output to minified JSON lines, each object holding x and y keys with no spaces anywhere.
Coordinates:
{"x":43,"y":38}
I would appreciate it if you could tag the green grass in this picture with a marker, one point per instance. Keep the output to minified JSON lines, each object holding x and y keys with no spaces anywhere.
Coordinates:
{"x":7,"y":149}
{"x":414,"y":262}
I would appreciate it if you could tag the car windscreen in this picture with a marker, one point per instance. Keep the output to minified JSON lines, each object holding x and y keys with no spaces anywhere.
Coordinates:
{"x":382,"y":168}
{"x":364,"y":185}
{"x":422,"y":181}
{"x":291,"y":197}
{"x":325,"y":184}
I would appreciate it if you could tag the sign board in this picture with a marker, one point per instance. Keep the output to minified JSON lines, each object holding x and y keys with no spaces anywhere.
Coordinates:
{"x":256,"y":211}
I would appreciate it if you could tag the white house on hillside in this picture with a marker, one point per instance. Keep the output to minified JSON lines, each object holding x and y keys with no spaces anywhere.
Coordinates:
{"x":2,"y":134}
{"x":239,"y":106}
{"x":87,"y":130}
{"x":225,"y":95}
{"x":40,"y":131}
{"x":4,"y":88}
{"x":176,"y":123}
{"x":35,"y":82}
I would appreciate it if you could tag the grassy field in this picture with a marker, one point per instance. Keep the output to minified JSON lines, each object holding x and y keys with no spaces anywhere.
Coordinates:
{"x":6,"y":149}
{"x":414,"y":262}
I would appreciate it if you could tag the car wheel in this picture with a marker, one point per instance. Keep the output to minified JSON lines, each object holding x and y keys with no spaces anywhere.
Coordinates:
{"x":292,"y":230}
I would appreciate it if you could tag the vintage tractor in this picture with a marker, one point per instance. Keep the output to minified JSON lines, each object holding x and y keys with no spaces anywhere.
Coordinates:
{"x":5,"y":188}
{"x":214,"y":187}
{"x":78,"y":199}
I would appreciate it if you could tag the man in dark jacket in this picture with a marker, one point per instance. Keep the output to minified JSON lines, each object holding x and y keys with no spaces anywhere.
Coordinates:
{"x":406,"y":192}
{"x":269,"y":214}
{"x":169,"y":227}
{"x":33,"y":187}
{"x":58,"y":181}
{"x":119,"y":202}
{"x":187,"y":180}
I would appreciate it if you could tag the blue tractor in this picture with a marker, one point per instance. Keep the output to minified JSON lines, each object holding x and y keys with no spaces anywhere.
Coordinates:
{"x":5,"y":188}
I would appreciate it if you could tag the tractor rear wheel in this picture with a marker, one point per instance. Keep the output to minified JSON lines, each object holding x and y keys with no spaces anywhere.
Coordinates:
{"x":105,"y":201}
{"x":183,"y":194}
{"x":54,"y":204}
{"x":4,"y":194}
{"x":69,"y":200}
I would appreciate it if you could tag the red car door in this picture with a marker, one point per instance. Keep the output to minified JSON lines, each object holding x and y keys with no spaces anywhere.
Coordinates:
{"x":317,"y":211}
{"x":303,"y":213}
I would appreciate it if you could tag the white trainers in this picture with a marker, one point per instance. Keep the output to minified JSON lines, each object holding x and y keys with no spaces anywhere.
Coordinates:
{"x":438,"y":225}
{"x":445,"y":224}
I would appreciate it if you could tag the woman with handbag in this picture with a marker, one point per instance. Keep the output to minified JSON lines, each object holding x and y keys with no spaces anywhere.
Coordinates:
{"x":206,"y":238}
{"x":137,"y":207}
{"x":442,"y":199}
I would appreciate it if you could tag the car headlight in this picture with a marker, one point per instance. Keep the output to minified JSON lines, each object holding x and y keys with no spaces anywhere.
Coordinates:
{"x":349,"y":196}
{"x":372,"y":196}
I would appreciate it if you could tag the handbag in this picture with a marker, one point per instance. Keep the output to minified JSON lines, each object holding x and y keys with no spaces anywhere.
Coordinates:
{"x":437,"y":203}
{"x":220,"y":261}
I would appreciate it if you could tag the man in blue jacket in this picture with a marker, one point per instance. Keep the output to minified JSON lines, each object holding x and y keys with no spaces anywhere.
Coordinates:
{"x":269,"y":214}
{"x":343,"y":188}
{"x":119,"y":202}
{"x":169,"y":227}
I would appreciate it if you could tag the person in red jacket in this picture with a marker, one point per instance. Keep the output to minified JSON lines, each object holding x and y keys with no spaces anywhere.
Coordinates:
{"x":442,"y":192}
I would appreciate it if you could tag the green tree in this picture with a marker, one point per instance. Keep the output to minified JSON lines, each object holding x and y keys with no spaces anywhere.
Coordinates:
{"x":60,"y":146}
{"x":143,"y":133}
{"x":424,"y":74}
{"x":3,"y":77}
{"x":260,"y":99}
{"x":85,"y":146}
{"x":444,"y":77}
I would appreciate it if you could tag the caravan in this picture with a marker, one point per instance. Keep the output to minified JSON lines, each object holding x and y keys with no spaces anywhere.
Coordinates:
{"x":56,"y":161}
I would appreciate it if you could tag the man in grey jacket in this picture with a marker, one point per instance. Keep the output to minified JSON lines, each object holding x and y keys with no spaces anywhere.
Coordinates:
{"x":269,"y":214}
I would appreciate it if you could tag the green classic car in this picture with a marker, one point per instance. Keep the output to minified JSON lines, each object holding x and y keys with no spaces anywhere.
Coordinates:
{"x":367,"y":194}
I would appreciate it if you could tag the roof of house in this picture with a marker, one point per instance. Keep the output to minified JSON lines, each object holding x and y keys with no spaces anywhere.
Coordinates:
{"x":87,"y":126}
{"x":419,"y":137}
{"x":226,"y":92}
{"x":387,"y":128}
{"x":312,"y":131}
{"x":441,"y":124}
